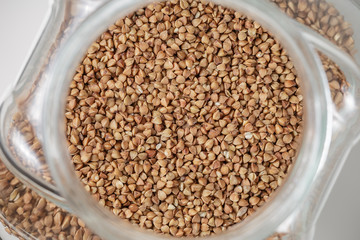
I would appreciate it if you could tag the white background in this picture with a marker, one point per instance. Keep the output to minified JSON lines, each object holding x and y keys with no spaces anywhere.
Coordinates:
{"x":20,"y":22}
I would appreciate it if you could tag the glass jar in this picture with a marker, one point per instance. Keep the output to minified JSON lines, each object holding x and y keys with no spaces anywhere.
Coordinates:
{"x":33,"y":141}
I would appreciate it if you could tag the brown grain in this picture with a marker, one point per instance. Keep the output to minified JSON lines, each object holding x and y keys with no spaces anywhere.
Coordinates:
{"x":198,"y":107}
{"x":27,"y":215}
{"x":41,"y":224}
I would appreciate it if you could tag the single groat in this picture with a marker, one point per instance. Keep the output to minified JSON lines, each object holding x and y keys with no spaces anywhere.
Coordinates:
{"x":184,"y":117}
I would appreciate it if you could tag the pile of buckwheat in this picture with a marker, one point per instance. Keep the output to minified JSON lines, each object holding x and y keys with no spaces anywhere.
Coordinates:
{"x":206,"y":187}
{"x":326,"y":20}
{"x":29,"y":216}
{"x":184,"y":117}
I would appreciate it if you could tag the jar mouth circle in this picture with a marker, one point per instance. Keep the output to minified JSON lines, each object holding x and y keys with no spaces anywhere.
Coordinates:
{"x":317,"y":127}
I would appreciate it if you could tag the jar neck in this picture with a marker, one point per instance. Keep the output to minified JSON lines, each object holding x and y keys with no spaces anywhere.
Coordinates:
{"x":285,"y":201}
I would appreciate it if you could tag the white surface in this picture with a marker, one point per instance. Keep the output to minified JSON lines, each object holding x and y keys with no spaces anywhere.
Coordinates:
{"x":20,"y":21}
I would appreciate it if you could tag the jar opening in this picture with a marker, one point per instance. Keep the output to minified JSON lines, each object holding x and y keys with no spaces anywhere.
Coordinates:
{"x":315,"y":138}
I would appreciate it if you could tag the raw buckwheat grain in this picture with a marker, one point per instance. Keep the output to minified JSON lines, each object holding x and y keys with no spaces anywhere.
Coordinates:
{"x":184,"y":117}
{"x":26,"y":212}
{"x":29,"y":216}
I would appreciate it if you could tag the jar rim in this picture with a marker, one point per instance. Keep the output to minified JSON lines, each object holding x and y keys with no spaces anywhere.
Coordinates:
{"x":317,"y":127}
